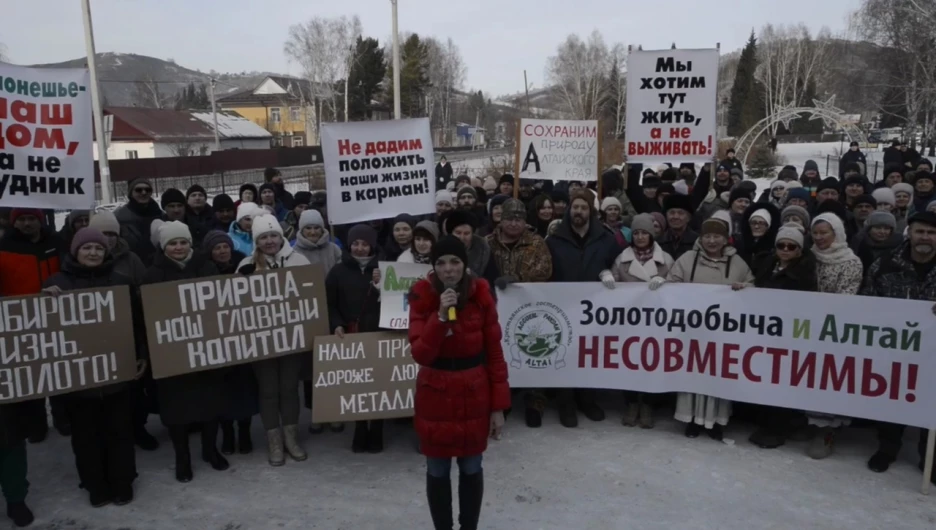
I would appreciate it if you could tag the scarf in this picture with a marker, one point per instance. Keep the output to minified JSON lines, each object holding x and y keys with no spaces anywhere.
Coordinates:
{"x":644,"y":255}
{"x":362,"y":262}
{"x":184,"y":261}
{"x":423,"y":259}
{"x":838,"y":252}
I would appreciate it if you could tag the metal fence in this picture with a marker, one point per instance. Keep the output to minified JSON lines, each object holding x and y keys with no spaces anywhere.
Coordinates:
{"x":311,"y":177}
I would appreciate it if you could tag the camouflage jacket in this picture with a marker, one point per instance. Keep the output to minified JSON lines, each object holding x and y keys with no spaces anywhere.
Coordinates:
{"x":528,"y":261}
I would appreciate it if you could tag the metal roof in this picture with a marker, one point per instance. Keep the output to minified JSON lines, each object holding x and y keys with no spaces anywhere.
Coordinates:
{"x":233,"y":125}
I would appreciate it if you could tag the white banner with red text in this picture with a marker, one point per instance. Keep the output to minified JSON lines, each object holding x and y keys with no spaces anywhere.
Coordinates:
{"x":46,"y":136}
{"x":378,"y":169}
{"x":671,"y":99}
{"x":848,"y":355}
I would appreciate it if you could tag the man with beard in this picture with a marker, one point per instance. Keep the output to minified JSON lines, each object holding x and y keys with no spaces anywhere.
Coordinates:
{"x":273,"y":176}
{"x":908,"y":273}
{"x":582,"y":250}
{"x":136,"y":216}
{"x":706,"y":195}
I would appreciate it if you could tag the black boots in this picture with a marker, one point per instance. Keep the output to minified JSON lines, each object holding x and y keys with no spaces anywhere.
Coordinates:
{"x":19,"y":513}
{"x":209,"y":440}
{"x":143,"y":439}
{"x":368,"y":437}
{"x":183,"y":459}
{"x":243,"y":437}
{"x":244,"y":443}
{"x":227,"y":437}
{"x":439,"y":494}
{"x":470,"y":497}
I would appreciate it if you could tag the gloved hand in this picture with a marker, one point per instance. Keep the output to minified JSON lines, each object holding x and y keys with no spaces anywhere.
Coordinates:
{"x":503,"y":281}
{"x":656,"y":282}
{"x":607,"y":279}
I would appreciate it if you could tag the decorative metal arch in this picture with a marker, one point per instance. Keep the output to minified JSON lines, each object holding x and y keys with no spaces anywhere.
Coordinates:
{"x":826,"y":111}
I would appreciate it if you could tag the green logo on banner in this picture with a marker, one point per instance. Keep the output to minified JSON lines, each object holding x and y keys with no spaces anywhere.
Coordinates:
{"x":538,"y":335}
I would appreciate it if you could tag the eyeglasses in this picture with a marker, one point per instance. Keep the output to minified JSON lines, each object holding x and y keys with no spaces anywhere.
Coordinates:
{"x":787,"y":247}
{"x":143,"y":191}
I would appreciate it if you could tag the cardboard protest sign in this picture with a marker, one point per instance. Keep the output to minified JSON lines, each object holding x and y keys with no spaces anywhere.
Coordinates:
{"x":210,"y":323}
{"x":53,"y":345}
{"x":671,"y":98}
{"x":365,"y":376}
{"x":559,"y":149}
{"x":378,"y":169}
{"x":797,"y":350}
{"x":46,"y":158}
{"x":395,"y":282}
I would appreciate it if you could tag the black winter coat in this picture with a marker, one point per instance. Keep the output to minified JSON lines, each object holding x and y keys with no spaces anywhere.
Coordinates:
{"x":73,"y":277}
{"x":868,"y":250}
{"x":798,"y":276}
{"x":849,"y":157}
{"x":196,"y":397}
{"x":677,"y":247}
{"x":135,"y":221}
{"x":353,"y":299}
{"x":200,"y":223}
{"x":581,"y":260}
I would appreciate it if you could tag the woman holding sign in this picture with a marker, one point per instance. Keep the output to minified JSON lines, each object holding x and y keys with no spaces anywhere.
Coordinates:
{"x":101,"y":418}
{"x":461,"y":388}
{"x":353,"y":293}
{"x":196,"y":397}
{"x":278,"y":378}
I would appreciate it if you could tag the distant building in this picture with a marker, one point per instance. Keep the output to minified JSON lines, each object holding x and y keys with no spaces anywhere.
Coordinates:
{"x":467,"y":134}
{"x":158,"y":133}
{"x":287,"y":107}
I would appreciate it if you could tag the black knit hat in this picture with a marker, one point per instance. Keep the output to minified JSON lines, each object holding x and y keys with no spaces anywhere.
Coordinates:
{"x":195,"y":188}
{"x":222,"y":201}
{"x":923,"y":175}
{"x":865,"y":199}
{"x":363,"y":232}
{"x":894,"y":167}
{"x":666,"y":187}
{"x":136,"y":182}
{"x":559,"y":196}
{"x":670,"y":175}
{"x":853,"y":166}
{"x":264,"y":187}
{"x":828,"y":183}
{"x":171,"y":196}
{"x":459,"y":218}
{"x":302,"y":197}
{"x":449,"y":246}
{"x":677,"y":201}
{"x":506,"y":177}
{"x":651,"y":181}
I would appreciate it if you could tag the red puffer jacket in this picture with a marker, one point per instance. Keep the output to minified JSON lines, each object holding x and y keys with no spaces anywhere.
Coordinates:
{"x":453,"y":408}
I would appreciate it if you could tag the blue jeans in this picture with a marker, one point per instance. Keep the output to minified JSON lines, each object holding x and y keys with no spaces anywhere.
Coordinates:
{"x":442,"y":467}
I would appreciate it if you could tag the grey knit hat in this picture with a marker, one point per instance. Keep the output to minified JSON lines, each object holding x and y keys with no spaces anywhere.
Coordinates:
{"x":881,"y":218}
{"x":643,"y":221}
{"x":795,"y":211}
{"x":791,"y":232}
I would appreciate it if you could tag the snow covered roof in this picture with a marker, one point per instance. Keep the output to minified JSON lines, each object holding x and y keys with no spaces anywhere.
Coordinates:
{"x":232,"y":125}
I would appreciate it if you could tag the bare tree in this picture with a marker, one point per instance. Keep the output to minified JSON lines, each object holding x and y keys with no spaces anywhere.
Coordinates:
{"x":147,"y":94}
{"x":578,"y":71}
{"x":324,"y":49}
{"x":790,"y":61}
{"x":446,"y":75}
{"x":907,"y":30}
{"x":619,"y":90}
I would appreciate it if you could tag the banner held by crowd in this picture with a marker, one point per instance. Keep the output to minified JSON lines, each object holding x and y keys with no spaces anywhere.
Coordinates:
{"x":395,"y":282}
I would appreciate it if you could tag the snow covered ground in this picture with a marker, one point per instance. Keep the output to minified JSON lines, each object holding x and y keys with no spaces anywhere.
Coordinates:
{"x":596,"y":477}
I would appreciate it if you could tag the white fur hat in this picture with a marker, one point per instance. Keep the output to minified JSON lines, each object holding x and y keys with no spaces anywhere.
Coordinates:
{"x":264,"y":224}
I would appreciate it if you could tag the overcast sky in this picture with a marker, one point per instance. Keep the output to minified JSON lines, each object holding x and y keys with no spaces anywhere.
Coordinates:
{"x":498,"y":38}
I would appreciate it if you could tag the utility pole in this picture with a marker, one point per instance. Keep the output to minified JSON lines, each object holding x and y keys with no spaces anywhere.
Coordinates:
{"x":396,"y":64}
{"x":214,"y":114}
{"x":96,"y":105}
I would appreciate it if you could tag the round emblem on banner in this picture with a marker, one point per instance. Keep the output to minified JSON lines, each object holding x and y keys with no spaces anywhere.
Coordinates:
{"x":539,"y":336}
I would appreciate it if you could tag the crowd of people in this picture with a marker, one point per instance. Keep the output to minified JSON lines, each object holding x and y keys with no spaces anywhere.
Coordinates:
{"x":658,"y":226}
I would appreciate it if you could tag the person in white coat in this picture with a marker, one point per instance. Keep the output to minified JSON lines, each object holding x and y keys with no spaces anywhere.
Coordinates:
{"x":712,"y":261}
{"x":643,"y":261}
{"x":277,"y":379}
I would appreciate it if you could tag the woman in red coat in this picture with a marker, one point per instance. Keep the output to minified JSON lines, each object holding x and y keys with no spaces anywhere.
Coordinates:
{"x":461,"y":389}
